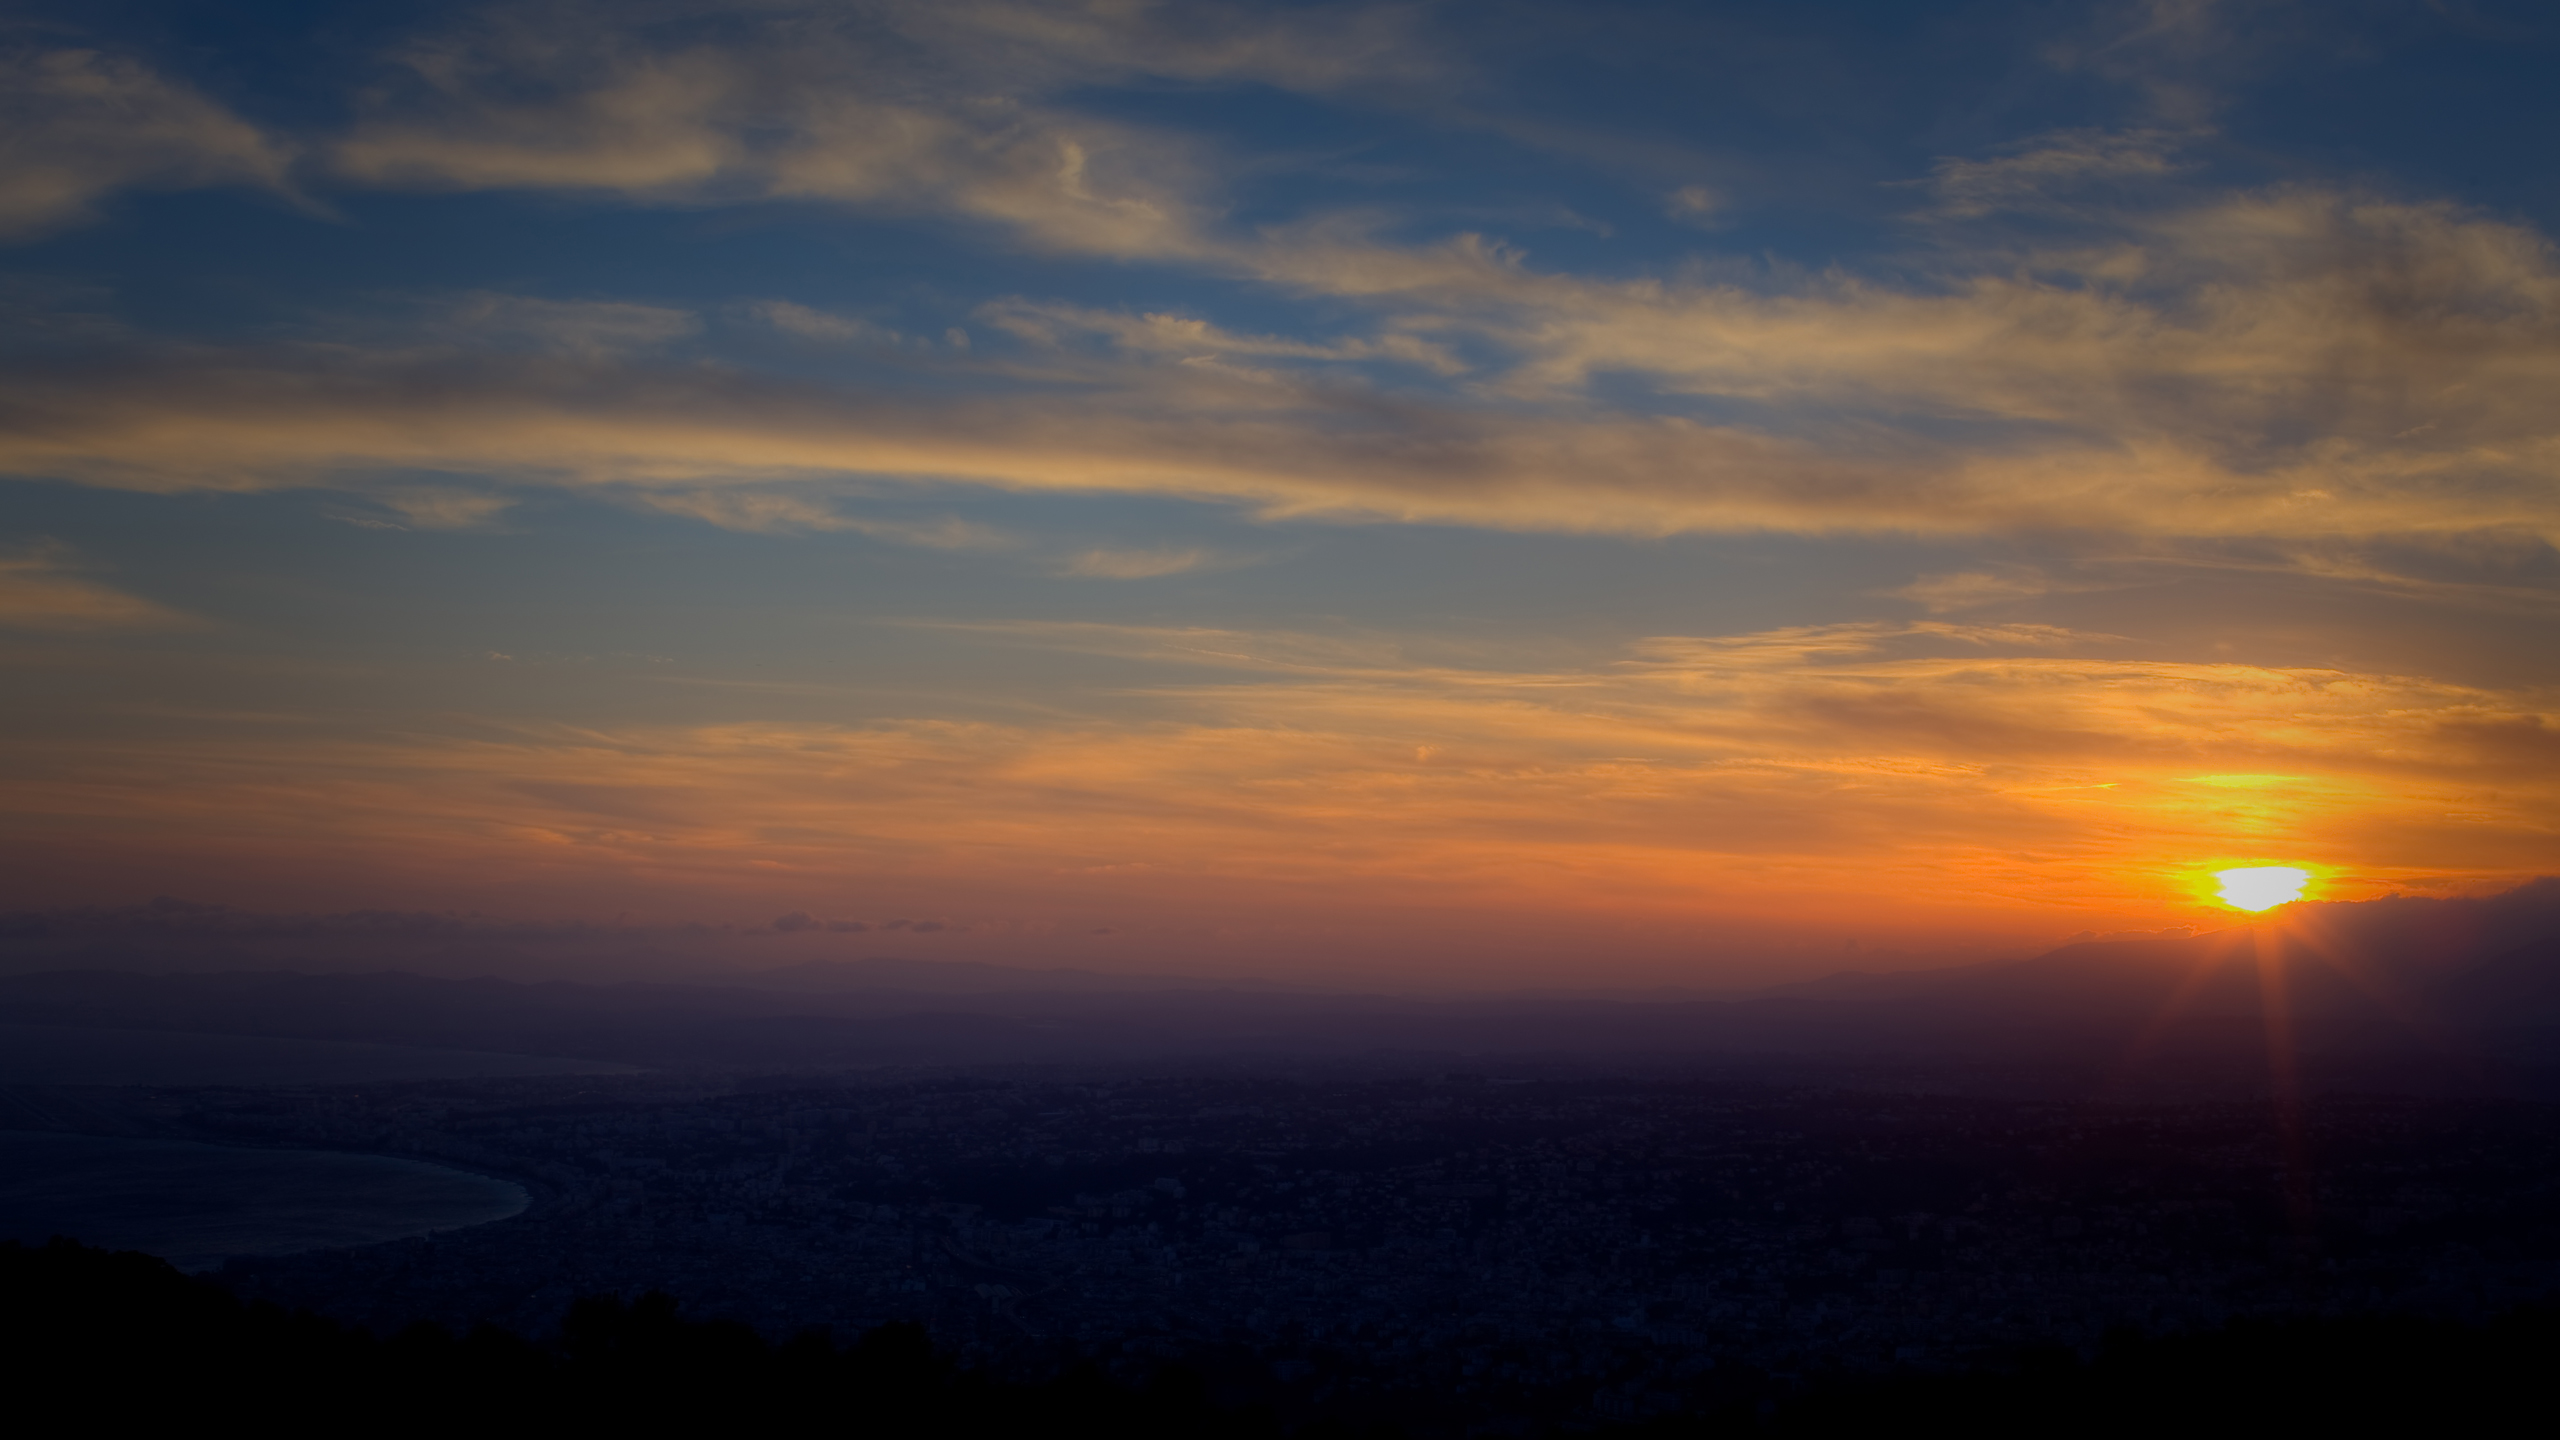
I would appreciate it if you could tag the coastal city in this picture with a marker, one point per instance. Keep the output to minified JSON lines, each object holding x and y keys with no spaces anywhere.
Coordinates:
{"x":1557,"y":1244}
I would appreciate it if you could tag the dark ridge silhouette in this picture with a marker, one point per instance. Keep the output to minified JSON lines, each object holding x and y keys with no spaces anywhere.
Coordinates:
{"x":130,"y":1340}
{"x":2346,"y":1375}
{"x":136,"y":1342}
{"x":971,"y":977}
{"x":172,"y":934}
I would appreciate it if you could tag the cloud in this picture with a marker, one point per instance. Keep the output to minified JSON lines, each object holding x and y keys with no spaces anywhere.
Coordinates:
{"x":717,"y":444}
{"x":1869,"y":768}
{"x":41,"y":589}
{"x":1114,"y":564}
{"x":78,"y":125}
{"x":432,"y":509}
{"x":775,"y":512}
{"x":946,"y":533}
{"x":1693,"y":204}
{"x":1308,"y":48}
{"x":811,"y":324}
{"x":1970,"y":589}
{"x":1195,"y":341}
{"x":2038,"y":174}
{"x":586,"y":329}
{"x":938,"y":109}
{"x":763,"y":512}
{"x":2292,"y":364}
{"x":2183,"y":57}
{"x":2298,"y":363}
{"x":945,"y":109}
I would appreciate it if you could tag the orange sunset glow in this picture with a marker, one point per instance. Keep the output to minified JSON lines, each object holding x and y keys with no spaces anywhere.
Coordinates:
{"x":1142,"y":561}
{"x":1695,"y":786}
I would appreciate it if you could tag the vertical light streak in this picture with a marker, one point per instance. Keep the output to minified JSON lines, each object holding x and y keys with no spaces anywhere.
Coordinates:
{"x":2156,"y":1029}
{"x":2284,"y":1085}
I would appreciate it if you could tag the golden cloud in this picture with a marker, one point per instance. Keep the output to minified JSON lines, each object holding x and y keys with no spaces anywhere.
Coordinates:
{"x":2286,"y":362}
{"x":1877,"y":770}
{"x":1291,"y":442}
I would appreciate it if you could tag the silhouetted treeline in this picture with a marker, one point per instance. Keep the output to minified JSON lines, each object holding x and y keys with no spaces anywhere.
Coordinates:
{"x":126,"y":1338}
{"x":129,"y":1339}
{"x":2387,"y":1375}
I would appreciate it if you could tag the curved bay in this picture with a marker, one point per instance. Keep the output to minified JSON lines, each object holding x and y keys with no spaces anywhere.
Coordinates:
{"x":195,"y":1204}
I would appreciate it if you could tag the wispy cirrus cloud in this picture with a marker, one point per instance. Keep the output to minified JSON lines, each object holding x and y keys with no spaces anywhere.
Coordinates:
{"x":2291,"y":364}
{"x":2051,"y":172}
{"x":1884,"y":769}
{"x":584,"y":329}
{"x":42,"y":588}
{"x":427,"y":508}
{"x":1109,"y":563}
{"x":1189,"y":339}
{"x":810,"y":323}
{"x":1972,"y":589}
{"x":781,"y":511}
{"x":77,"y":125}
{"x":944,"y":109}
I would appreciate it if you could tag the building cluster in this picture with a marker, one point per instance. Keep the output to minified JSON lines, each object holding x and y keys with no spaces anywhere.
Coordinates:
{"x":1620,"y":1242}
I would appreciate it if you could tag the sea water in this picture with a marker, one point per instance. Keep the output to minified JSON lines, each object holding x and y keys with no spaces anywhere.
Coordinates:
{"x":195,"y":1205}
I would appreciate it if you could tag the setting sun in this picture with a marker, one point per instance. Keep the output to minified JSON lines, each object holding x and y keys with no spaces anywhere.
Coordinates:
{"x":2261,"y":887}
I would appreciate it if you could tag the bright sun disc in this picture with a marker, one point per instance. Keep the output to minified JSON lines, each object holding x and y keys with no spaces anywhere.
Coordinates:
{"x":2262,"y":887}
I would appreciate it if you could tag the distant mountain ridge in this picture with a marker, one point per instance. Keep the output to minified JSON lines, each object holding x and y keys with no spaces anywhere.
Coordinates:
{"x":971,"y":977}
{"x":2414,"y":977}
{"x":2488,"y":961}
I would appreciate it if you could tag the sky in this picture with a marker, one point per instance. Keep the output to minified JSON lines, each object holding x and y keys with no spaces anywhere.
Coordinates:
{"x":1439,"y":496}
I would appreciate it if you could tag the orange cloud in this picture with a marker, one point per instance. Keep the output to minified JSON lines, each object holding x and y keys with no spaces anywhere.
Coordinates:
{"x":1917,"y":778}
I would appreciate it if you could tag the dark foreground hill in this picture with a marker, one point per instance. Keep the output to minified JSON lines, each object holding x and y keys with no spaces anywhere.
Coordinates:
{"x":108,"y":1341}
{"x":122,"y":1339}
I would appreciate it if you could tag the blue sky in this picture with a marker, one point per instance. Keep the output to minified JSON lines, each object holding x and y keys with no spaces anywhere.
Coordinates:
{"x":1476,"y":494}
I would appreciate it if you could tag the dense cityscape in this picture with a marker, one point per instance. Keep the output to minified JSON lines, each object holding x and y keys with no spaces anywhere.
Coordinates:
{"x":1534,"y":1244}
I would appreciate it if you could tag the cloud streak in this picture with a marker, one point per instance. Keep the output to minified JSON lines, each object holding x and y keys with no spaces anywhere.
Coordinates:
{"x":943,"y":109}
{"x":42,"y":589}
{"x":2297,"y":364}
{"x":1879,"y":769}
{"x":1107,"y":563}
{"x":78,"y":125}
{"x":2283,"y":362}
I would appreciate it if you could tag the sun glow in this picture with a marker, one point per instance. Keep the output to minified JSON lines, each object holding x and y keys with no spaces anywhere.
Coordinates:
{"x":2261,"y":887}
